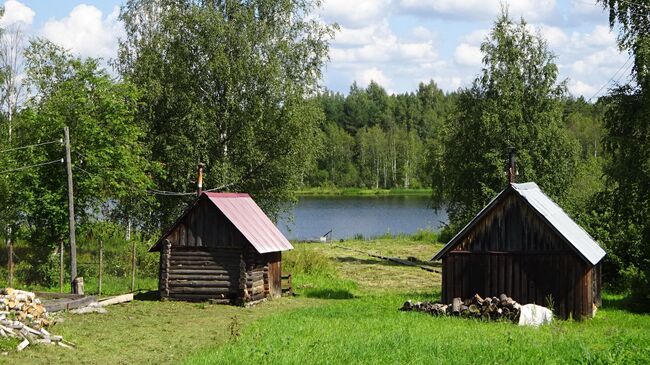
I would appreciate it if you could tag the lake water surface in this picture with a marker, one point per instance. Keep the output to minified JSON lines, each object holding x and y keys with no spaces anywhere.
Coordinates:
{"x":370,"y":216}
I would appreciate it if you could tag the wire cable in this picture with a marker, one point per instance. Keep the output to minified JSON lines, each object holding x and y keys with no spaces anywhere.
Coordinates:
{"x":31,"y":145}
{"x":625,"y":65}
{"x":31,"y":166}
{"x":168,"y":193}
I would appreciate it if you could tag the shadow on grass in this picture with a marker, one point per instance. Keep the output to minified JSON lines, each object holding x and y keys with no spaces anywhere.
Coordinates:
{"x":354,"y":260}
{"x":627,"y":304}
{"x":328,"y":294}
{"x":148,"y":296}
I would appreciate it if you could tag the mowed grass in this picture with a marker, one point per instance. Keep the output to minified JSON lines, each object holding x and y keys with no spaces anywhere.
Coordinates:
{"x":345,"y":311}
{"x":148,"y":332}
{"x":110,"y":286}
{"x":366,"y":326}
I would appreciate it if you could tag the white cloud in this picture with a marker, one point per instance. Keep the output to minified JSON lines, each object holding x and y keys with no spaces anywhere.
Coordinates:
{"x":364,"y":77}
{"x":553,"y":35}
{"x":364,"y":35}
{"x":577,"y":87}
{"x":423,"y":33}
{"x":354,"y":13}
{"x":85,"y":31}
{"x":16,"y":12}
{"x":477,"y":9}
{"x":601,"y":36}
{"x":467,"y":55}
{"x":476,"y":37}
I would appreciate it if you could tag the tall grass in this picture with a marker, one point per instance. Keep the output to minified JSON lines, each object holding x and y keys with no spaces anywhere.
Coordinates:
{"x":315,"y":276}
{"x":422,"y":235}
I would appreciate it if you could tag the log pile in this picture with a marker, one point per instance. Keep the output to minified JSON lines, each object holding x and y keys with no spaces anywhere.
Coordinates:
{"x":491,"y":308}
{"x":22,"y":316}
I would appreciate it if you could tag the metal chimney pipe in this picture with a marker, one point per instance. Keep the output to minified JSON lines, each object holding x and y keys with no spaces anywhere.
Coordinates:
{"x":199,"y":182}
{"x":512,"y":167}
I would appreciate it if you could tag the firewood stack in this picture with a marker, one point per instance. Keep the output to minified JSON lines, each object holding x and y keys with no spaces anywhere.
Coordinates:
{"x":494,"y":308}
{"x":23,"y":316}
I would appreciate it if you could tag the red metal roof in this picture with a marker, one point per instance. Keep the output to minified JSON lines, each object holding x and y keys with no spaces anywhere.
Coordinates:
{"x":251,"y":221}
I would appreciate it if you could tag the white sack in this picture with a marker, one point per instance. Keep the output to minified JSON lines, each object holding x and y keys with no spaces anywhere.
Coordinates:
{"x":534,"y":315}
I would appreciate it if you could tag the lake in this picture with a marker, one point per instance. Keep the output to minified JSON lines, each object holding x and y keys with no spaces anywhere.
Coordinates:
{"x":370,"y":216}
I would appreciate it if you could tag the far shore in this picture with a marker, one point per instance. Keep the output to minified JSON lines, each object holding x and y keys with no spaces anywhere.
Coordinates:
{"x":316,"y":191}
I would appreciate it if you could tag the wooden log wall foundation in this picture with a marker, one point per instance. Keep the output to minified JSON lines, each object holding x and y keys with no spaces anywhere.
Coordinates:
{"x":191,"y":274}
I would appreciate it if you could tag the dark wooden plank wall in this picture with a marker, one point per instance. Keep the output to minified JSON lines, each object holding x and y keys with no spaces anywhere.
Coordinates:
{"x":512,"y":251}
{"x":206,"y":226}
{"x":275,"y":273}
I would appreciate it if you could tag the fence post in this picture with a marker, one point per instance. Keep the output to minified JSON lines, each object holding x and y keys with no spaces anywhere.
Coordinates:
{"x":101,"y":265}
{"x":61,"y":265}
{"x":10,"y":256}
{"x":133,"y":266}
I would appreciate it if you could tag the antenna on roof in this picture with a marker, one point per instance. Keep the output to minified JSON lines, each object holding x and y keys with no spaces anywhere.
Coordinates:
{"x":199,"y":180}
{"x":512,"y":167}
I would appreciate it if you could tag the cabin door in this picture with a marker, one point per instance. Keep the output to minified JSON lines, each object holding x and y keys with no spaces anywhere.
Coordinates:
{"x":275,"y":275}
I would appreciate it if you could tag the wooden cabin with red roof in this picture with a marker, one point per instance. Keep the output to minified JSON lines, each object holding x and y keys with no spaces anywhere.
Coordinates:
{"x":223,"y":248}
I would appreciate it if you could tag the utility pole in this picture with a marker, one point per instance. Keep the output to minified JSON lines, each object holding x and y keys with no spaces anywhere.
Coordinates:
{"x":71,"y":223}
{"x":10,"y":257}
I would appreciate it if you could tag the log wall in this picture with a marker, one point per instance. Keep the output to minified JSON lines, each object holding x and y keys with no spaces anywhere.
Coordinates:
{"x":512,"y":251}
{"x":196,"y":275}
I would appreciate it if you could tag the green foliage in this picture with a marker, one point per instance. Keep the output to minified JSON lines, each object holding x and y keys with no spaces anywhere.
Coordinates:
{"x":514,"y":103}
{"x":110,"y":164}
{"x":224,"y":83}
{"x":627,"y":140}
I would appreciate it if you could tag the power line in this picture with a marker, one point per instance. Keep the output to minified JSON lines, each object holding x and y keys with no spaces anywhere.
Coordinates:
{"x":168,"y":193}
{"x":611,"y":78}
{"x":79,"y":168}
{"x":31,"y":166}
{"x":31,"y":145}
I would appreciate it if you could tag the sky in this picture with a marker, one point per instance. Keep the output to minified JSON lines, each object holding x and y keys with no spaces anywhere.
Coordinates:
{"x":397,"y":43}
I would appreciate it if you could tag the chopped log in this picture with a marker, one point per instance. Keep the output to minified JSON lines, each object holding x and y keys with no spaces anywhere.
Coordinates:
{"x":477,"y":300}
{"x":56,"y":305}
{"x":117,"y":300}
{"x":455,"y":306}
{"x":21,"y":346}
{"x":474,"y":309}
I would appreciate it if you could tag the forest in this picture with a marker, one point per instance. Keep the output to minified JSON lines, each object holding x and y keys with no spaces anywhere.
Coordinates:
{"x":237,"y":86}
{"x":375,"y":140}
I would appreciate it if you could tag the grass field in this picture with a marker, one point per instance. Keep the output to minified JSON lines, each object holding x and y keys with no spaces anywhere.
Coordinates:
{"x":346,"y":311}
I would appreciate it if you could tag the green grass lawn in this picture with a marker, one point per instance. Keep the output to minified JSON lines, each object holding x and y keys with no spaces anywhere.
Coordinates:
{"x":346,"y":311}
